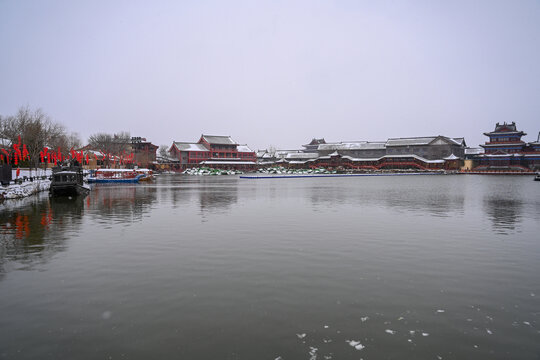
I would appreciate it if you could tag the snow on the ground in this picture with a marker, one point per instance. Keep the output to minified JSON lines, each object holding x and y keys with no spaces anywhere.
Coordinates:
{"x":25,"y":189}
{"x":281,"y":170}
{"x":210,"y":171}
{"x":30,"y":172}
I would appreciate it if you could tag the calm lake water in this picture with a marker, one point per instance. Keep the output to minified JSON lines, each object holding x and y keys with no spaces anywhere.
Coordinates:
{"x":393,"y":267}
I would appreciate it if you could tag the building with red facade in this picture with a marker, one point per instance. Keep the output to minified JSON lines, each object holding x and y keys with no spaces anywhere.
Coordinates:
{"x":214,"y":151}
{"x":144,"y":152}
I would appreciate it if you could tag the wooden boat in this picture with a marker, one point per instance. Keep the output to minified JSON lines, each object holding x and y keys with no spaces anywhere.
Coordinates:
{"x":68,"y":181}
{"x":115,"y":176}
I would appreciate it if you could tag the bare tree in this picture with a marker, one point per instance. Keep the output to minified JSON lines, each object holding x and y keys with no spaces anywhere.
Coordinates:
{"x":35,"y":129}
{"x":164,"y":151}
{"x":110,"y":144}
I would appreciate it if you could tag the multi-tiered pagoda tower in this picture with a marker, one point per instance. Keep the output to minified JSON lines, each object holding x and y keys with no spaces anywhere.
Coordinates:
{"x":505,"y":151}
{"x":506,"y":139}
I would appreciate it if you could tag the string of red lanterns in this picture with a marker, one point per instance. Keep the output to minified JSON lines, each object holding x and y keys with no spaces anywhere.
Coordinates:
{"x":19,"y":152}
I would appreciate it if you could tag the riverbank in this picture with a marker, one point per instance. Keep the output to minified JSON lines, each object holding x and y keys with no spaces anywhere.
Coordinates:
{"x":17,"y":191}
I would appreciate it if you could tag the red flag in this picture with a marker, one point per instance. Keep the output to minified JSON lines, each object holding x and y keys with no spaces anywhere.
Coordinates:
{"x":18,"y":172}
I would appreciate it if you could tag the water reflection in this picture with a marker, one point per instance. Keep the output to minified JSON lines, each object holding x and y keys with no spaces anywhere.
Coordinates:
{"x":504,"y":213}
{"x":441,"y":199}
{"x":217,"y":198}
{"x":126,"y":203}
{"x":36,"y":228}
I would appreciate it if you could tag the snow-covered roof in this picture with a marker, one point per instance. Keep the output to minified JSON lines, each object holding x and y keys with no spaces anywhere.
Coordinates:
{"x":185,"y":146}
{"x":410,"y":141}
{"x":451,"y":157}
{"x":301,"y":155}
{"x":474,"y":151}
{"x":353,"y":145}
{"x":219,"y":139}
{"x":296,"y":162}
{"x":284,"y":153}
{"x":385,"y":157}
{"x":243,"y":148}
{"x":423,"y":140}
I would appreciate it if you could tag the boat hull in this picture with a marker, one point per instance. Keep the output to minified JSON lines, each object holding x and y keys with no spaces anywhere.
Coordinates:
{"x":68,"y":190}
{"x":113,"y":181}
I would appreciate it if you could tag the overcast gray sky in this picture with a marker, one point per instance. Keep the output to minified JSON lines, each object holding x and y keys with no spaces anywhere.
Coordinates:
{"x":274,"y":72}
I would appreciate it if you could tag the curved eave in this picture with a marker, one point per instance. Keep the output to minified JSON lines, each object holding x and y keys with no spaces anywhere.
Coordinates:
{"x":505,"y":133}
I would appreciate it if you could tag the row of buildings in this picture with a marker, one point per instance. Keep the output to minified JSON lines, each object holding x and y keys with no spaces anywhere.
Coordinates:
{"x":504,"y":151}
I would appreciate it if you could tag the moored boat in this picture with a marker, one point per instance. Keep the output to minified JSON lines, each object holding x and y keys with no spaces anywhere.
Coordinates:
{"x":148,"y":175}
{"x":537,"y":177}
{"x":68,"y":181}
{"x":115,"y":176}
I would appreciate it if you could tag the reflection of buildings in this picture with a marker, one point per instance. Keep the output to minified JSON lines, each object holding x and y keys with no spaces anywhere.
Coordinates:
{"x":114,"y":202}
{"x":218,"y":196}
{"x":436,"y":198}
{"x":504,"y":212}
{"x":36,"y":228}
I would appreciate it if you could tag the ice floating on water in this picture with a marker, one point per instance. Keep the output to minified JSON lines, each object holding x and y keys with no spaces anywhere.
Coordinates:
{"x":301,"y":336}
{"x":355,"y":344}
{"x":313,"y":353}
{"x":527,"y":323}
{"x":326,"y":341}
{"x":278,"y":358}
{"x":411,"y":332}
{"x":409,"y":340}
{"x":440,"y":311}
{"x":392,"y":332}
{"x":365,"y":318}
{"x":326,"y":326}
{"x":489,"y":331}
{"x":425,"y":334}
{"x":400,"y":318}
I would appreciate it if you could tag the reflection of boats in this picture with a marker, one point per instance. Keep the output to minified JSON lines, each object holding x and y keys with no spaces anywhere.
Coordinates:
{"x":68,"y":181}
{"x":148,"y":175}
{"x":115,"y":176}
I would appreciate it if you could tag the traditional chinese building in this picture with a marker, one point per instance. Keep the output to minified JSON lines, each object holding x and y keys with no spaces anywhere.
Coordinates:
{"x":214,"y":151}
{"x":505,"y":139}
{"x":506,"y":151}
{"x":422,"y":153}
